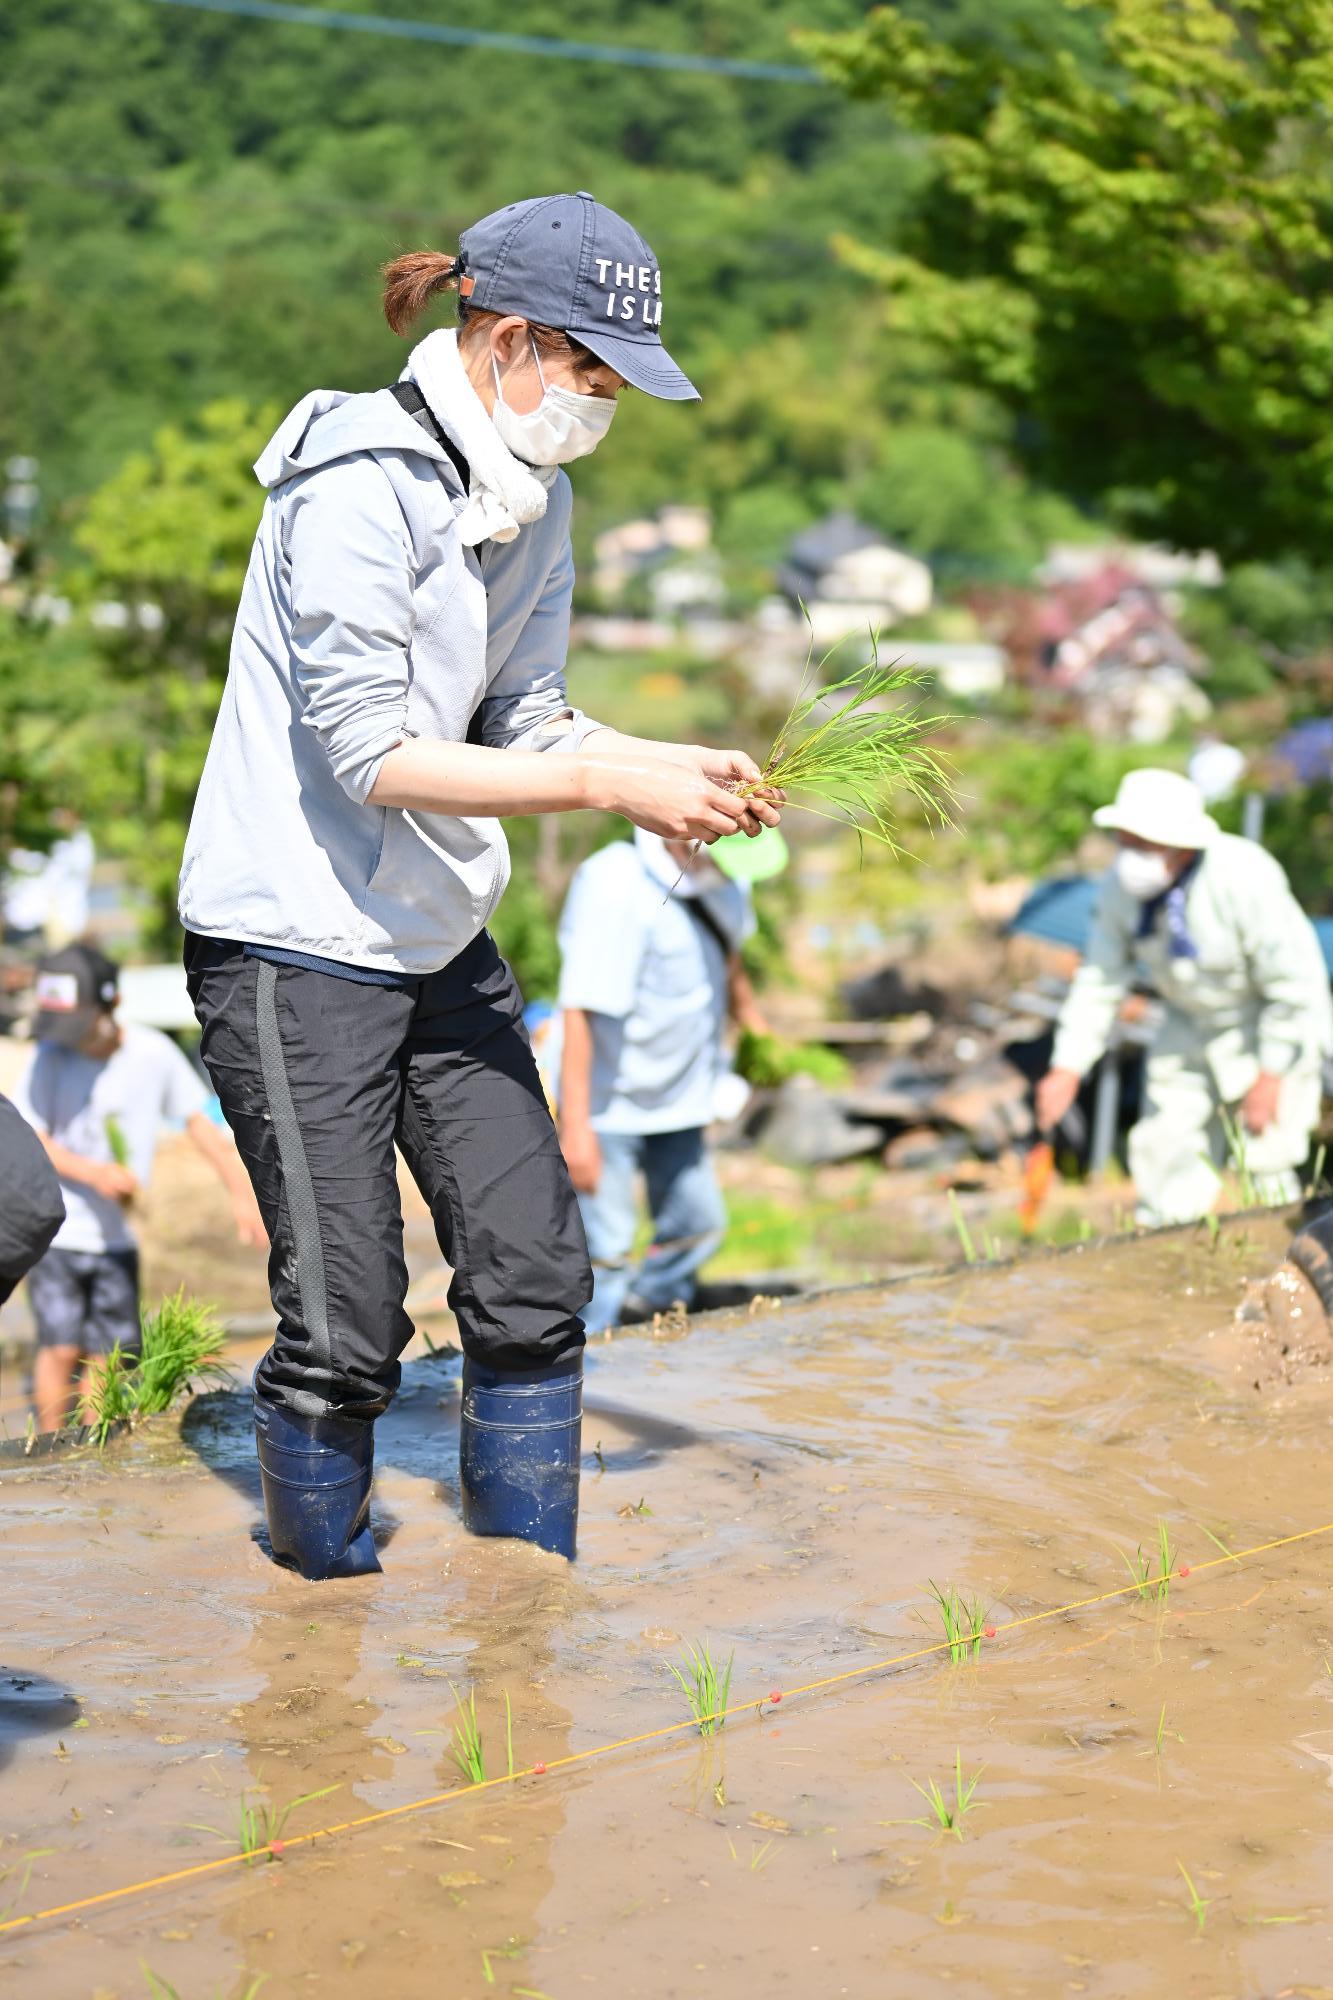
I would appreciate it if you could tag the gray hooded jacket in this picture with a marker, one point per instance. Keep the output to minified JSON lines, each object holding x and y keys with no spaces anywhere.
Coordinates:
{"x":364,"y":621}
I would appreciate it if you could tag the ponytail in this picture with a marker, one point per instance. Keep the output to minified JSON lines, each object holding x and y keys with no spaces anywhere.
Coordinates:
{"x":412,"y":280}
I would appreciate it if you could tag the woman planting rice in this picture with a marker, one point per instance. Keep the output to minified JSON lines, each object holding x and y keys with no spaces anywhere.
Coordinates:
{"x":396,"y":682}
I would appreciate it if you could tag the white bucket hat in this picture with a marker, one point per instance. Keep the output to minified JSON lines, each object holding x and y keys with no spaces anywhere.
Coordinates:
{"x":1161,"y":807}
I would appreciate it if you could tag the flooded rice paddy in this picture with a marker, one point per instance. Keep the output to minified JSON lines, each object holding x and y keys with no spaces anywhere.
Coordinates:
{"x":785,"y":1486}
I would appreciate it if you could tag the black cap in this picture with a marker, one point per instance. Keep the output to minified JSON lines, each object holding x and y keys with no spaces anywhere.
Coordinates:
{"x":73,"y":987}
{"x":565,"y":260}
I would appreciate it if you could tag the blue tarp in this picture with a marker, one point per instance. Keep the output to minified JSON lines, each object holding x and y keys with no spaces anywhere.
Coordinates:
{"x":1059,"y":911}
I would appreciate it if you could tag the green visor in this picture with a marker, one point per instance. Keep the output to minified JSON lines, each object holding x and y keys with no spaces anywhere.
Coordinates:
{"x":750,"y":858}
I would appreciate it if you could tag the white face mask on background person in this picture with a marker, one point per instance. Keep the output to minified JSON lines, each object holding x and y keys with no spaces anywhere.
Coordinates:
{"x":564,"y":425}
{"x":1143,"y":872}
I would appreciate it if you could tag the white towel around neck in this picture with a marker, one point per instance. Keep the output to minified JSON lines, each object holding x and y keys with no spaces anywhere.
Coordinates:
{"x":505,"y":494}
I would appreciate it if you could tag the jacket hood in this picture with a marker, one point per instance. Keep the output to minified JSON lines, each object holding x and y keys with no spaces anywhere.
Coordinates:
{"x":329,"y":424}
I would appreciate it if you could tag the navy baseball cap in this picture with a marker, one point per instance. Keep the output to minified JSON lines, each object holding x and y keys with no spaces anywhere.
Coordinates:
{"x":565,"y":261}
{"x":72,"y":988}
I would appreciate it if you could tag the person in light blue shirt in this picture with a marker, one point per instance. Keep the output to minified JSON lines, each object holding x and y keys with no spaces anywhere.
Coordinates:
{"x":650,"y":939}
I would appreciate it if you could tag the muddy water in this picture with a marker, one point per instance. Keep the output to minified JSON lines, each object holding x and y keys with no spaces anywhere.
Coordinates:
{"x":785,"y":1485}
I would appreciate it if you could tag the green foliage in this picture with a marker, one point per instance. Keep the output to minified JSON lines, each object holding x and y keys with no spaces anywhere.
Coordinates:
{"x":1028,"y":802}
{"x":1125,"y":232}
{"x":958,"y":502}
{"x":1298,"y":830}
{"x":171,"y":530}
{"x":767,"y":1061}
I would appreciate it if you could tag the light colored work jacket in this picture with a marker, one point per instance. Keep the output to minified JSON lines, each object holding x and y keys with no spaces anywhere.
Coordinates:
{"x":1255,"y":998}
{"x":364,"y":621}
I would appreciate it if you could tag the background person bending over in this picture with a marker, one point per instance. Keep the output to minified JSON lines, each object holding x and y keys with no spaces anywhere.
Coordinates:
{"x":1209,"y":922}
{"x":92,"y":1090}
{"x":650,"y":937}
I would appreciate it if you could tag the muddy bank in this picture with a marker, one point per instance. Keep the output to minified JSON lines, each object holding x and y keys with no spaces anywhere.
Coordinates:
{"x":784,"y":1485}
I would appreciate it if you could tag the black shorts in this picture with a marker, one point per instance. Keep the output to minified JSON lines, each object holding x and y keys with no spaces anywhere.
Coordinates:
{"x":88,"y":1299}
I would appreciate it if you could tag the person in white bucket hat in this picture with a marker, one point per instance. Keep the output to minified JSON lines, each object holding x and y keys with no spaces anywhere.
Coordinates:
{"x":1208,"y":921}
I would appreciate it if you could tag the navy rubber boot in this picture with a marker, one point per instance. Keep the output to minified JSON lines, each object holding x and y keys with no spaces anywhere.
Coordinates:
{"x":518,"y":1452}
{"x":316,"y":1473}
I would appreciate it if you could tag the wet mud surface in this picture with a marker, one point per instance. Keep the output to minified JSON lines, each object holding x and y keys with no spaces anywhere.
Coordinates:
{"x":783,"y":1485}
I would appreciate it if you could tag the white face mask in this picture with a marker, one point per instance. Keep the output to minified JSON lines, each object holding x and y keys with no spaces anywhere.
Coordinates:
{"x":1144,"y":872}
{"x":564,"y":425}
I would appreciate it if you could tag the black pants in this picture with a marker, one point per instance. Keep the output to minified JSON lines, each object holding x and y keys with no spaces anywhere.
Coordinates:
{"x":318,"y":1078}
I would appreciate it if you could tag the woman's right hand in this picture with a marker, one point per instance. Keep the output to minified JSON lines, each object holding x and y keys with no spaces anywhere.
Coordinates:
{"x":674,"y":800}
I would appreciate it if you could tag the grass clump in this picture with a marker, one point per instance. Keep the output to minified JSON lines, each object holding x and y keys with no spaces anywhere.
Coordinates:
{"x":180,"y":1345}
{"x":706,"y":1686}
{"x":851,"y":754}
{"x":1140,"y":1567}
{"x":949,"y":1813}
{"x":963,"y":1619}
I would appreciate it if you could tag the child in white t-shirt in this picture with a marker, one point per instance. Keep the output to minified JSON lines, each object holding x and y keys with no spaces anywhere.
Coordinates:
{"x":97,"y":1094}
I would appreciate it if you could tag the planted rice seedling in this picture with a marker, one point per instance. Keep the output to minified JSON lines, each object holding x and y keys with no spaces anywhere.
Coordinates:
{"x":963,"y":1619}
{"x":467,"y":1745}
{"x":948,"y":1813}
{"x":965,"y":1243}
{"x":1162,"y":1732}
{"x":1199,"y":1905}
{"x":180,"y":1344}
{"x":162,"y":1989}
{"x":1140,"y":1567}
{"x":260,"y":1826}
{"x":706,"y":1686}
{"x":22,"y":1868}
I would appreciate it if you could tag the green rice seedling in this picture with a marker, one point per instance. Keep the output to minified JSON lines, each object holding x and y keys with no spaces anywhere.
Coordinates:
{"x":1199,"y":1905}
{"x":760,"y":1855}
{"x":965,"y":1243}
{"x":1214,"y":1229}
{"x":467,"y":1745}
{"x":1218,"y":1543}
{"x":1161,"y":1733}
{"x":162,"y":1989}
{"x":949,"y":1814}
{"x":850,"y":746}
{"x":1317,"y":1183}
{"x":706,"y":1686}
{"x":963,"y":1619}
{"x":1140,"y":1567}
{"x":1249,"y":1188}
{"x":259,"y":1825}
{"x":22,"y":1868}
{"x":180,"y":1344}
{"x":118,"y":1144}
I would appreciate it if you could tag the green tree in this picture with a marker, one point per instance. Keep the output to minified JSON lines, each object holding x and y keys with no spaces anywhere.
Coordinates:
{"x":1127,"y":236}
{"x":167,"y":539}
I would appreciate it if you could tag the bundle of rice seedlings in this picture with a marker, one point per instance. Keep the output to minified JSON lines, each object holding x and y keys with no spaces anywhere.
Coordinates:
{"x":180,"y":1345}
{"x":847,"y":748}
